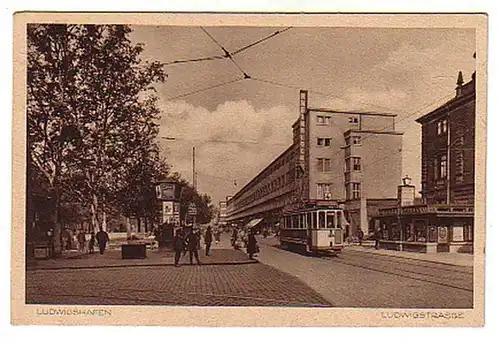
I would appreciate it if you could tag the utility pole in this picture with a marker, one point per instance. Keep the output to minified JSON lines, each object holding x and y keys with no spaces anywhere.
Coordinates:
{"x":194,"y":169}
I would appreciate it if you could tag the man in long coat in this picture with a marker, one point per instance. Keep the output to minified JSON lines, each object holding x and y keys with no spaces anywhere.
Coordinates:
{"x":193,"y":241}
{"x":102,"y":238}
{"x":251,"y":244}
{"x":179,"y":245}
{"x":208,"y":240}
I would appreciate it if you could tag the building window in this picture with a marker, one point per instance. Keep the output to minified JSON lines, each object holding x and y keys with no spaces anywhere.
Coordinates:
{"x":443,"y":167}
{"x":356,"y":140}
{"x":353,"y":119}
{"x":442,"y":127}
{"x":322,"y":120}
{"x":323,"y":164}
{"x":356,"y":163}
{"x":356,"y":190}
{"x":324,"y":142}
{"x":322,"y":190}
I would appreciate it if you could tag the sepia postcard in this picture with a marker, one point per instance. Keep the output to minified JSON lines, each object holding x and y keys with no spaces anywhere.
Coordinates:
{"x":223,"y":169}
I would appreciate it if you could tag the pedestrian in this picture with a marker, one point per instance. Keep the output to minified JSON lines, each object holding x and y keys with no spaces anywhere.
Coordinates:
{"x":91,"y":242}
{"x":234,"y":237}
{"x":179,"y":246}
{"x":377,"y":239}
{"x":360,"y":237}
{"x":208,"y":240}
{"x":81,"y":241}
{"x":251,"y":245}
{"x":102,"y":238}
{"x":217,"y":236}
{"x":193,"y":242}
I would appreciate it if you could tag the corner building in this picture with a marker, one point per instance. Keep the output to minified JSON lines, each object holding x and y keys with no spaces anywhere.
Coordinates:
{"x":337,"y":158}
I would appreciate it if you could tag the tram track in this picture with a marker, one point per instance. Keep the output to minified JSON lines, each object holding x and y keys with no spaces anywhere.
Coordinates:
{"x":434,"y":275}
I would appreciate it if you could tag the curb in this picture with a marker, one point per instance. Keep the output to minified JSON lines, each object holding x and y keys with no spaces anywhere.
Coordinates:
{"x":415,"y":259}
{"x":222,"y":263}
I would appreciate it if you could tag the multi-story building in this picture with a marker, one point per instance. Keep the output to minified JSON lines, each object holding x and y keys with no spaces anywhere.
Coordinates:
{"x":222,"y":213}
{"x":444,"y":221}
{"x":448,"y":148}
{"x":336,"y":158}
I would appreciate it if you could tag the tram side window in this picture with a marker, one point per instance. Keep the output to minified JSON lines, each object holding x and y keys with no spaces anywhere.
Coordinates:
{"x":322,"y":219}
{"x":330,"y":220}
{"x":308,"y":224}
{"x":295,"y":222}
{"x":301,"y":222}
{"x":314,"y":220}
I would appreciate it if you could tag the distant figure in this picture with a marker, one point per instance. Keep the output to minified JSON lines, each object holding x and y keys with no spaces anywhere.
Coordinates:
{"x":81,"y":241}
{"x":217,"y":236}
{"x":360,"y":237}
{"x":251,"y":245}
{"x":102,"y":238}
{"x":193,"y":242}
{"x":234,"y":237}
{"x":208,"y":240}
{"x":378,"y":235}
{"x":92,"y":242}
{"x":179,"y":246}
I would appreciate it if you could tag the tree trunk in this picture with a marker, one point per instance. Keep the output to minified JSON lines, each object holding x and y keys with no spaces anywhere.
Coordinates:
{"x":93,"y":213}
{"x":146,"y":225}
{"x":104,"y":222}
{"x":138,"y":224}
{"x":129,"y":229}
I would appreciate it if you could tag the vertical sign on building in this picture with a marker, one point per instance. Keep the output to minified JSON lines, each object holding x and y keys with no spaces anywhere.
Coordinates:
{"x":302,"y":129}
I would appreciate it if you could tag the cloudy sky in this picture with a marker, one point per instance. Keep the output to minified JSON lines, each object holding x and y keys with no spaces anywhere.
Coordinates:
{"x":240,"y":127}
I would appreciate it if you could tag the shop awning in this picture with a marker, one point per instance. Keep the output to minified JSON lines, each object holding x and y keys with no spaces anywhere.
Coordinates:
{"x":253,"y":222}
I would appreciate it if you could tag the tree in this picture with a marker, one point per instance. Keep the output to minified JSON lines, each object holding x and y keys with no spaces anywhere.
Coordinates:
{"x":91,"y":110}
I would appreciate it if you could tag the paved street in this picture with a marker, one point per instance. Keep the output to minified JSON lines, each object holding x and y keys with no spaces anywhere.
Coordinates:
{"x":226,"y":278}
{"x":357,"y":278}
{"x":366,"y":279}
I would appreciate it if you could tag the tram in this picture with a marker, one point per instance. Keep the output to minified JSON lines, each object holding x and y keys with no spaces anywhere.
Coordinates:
{"x":316,"y":230}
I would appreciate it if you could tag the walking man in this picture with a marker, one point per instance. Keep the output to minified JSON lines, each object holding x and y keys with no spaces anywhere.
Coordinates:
{"x":208,"y":240}
{"x":377,"y":239}
{"x":193,"y":241}
{"x":251,"y":245}
{"x":81,"y":241}
{"x":179,"y":246}
{"x":102,"y":239}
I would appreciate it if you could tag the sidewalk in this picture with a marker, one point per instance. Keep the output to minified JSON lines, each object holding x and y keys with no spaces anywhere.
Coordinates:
{"x":457,"y":259}
{"x":220,"y":254}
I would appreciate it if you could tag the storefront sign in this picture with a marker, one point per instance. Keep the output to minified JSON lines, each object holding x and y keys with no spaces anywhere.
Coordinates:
{"x":458,"y":233}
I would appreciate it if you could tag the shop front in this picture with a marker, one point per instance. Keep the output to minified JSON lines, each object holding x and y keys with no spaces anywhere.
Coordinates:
{"x":427,"y":228}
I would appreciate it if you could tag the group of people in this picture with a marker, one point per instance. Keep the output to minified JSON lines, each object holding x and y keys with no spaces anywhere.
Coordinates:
{"x":188,"y":240}
{"x":377,"y":237}
{"x":101,"y":238}
{"x":249,"y":241}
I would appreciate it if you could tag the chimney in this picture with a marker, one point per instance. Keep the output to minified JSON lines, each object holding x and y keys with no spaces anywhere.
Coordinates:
{"x":460,"y":82}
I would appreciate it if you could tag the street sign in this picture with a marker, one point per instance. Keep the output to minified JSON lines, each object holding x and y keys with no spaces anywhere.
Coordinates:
{"x":192,"y":210}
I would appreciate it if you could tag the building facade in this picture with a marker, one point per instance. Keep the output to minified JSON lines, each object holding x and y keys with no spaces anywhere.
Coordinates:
{"x":448,"y":149}
{"x":444,"y":220}
{"x":351,"y":159}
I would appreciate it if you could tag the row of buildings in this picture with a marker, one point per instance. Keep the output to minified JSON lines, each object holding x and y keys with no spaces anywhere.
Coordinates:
{"x":353,"y":160}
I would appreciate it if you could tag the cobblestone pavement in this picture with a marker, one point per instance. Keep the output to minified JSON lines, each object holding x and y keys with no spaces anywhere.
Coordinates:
{"x":207,"y":285}
{"x":112,"y":258}
{"x":365,"y":279}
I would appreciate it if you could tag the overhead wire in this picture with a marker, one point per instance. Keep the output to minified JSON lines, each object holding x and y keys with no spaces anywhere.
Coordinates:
{"x":205,"y":89}
{"x":260,"y":41}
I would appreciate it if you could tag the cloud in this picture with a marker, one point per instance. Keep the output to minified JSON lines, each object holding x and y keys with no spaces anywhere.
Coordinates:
{"x":233,"y":142}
